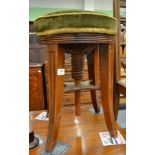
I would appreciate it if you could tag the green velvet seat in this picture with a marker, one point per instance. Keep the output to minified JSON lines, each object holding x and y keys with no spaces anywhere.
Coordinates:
{"x":75,"y":21}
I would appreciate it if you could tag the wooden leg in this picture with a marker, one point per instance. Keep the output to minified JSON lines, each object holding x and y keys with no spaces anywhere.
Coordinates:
{"x":119,"y":88}
{"x":77,"y":99}
{"x":55,"y":93}
{"x":93,"y":70}
{"x":45,"y":86}
{"x":106,"y":64}
{"x":116,"y":78}
{"x":116,"y":104}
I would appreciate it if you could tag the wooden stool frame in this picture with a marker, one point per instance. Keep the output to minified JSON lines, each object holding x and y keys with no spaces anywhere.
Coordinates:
{"x":55,"y":83}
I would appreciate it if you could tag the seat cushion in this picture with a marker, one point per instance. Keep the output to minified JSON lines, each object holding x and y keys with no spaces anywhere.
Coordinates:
{"x":75,"y":21}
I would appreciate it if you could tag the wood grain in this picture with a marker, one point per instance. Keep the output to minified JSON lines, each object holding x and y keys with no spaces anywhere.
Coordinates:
{"x":55,"y":93}
{"x":81,"y":132}
{"x":57,"y":45}
{"x":36,"y":96}
{"x":106,"y":63}
{"x":93,"y":72}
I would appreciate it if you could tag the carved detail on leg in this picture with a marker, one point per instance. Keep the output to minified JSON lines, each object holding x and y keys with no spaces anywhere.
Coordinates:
{"x":106,"y":63}
{"x":93,"y":73}
{"x":55,"y":93}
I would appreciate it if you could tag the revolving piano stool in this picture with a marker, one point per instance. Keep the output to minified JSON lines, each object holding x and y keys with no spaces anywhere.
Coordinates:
{"x":78,"y":33}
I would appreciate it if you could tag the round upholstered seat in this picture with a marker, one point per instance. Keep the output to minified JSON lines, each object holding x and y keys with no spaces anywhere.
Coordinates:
{"x":75,"y":21}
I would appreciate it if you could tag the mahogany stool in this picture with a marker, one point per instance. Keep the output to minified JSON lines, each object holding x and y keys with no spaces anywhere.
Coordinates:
{"x":67,"y":31}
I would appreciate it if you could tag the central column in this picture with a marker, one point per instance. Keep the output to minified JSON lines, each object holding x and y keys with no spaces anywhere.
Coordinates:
{"x":77,"y":74}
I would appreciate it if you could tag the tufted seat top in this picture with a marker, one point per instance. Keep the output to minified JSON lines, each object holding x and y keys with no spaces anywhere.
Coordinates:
{"x":75,"y":21}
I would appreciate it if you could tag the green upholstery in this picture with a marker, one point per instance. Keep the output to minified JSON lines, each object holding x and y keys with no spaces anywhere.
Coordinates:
{"x":75,"y":21}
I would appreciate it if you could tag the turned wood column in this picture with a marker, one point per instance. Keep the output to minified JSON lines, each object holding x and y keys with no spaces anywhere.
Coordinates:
{"x":77,"y":63}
